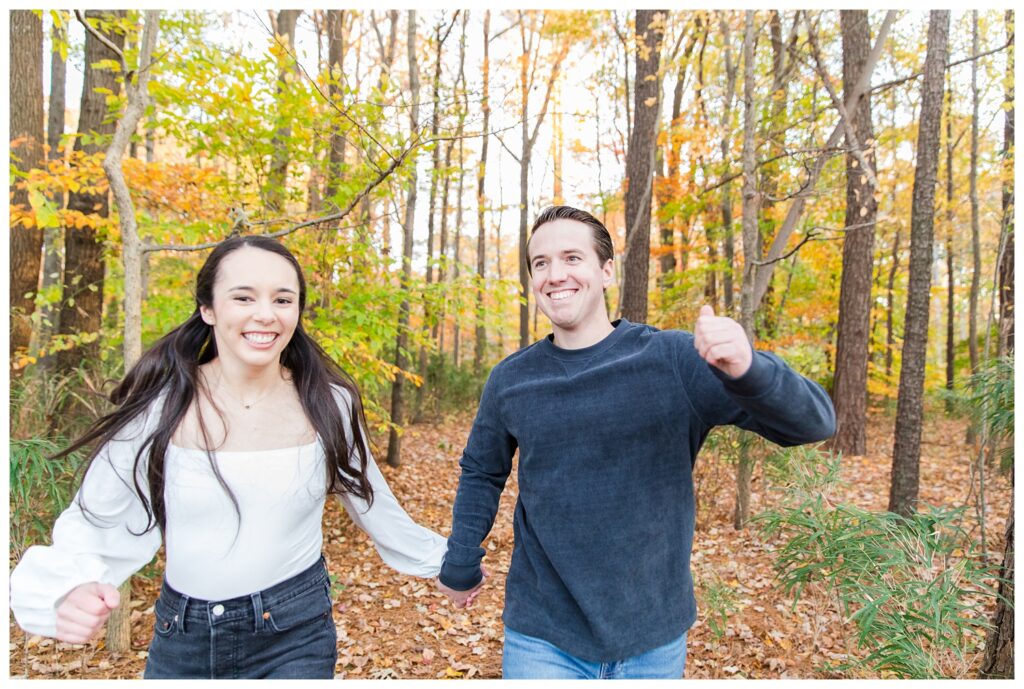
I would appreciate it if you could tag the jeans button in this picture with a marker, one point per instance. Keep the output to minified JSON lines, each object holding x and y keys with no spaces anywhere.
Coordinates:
{"x":218,"y":610}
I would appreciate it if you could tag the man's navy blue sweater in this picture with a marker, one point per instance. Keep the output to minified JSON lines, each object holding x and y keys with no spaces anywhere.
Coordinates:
{"x":607,"y":438}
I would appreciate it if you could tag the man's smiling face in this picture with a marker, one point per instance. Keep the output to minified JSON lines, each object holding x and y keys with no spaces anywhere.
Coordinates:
{"x":568,"y":277}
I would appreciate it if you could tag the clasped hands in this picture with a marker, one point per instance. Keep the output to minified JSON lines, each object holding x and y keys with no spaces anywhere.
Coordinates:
{"x":463,"y":599}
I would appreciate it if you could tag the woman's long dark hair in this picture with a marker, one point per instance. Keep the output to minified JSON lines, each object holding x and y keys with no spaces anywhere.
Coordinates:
{"x":171,"y":367}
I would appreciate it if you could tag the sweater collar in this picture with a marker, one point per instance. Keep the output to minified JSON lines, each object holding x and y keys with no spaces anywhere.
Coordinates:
{"x":548,"y":346}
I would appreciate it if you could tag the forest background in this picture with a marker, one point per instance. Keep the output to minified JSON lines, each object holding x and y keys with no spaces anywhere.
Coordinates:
{"x":839,"y":182}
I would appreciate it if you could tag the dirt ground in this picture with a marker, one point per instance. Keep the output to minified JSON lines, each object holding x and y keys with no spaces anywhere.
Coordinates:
{"x":393,"y":626}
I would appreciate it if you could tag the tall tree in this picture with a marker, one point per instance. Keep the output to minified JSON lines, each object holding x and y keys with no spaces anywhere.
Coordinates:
{"x":335,"y":87}
{"x":667,"y":188}
{"x":726,"y":144}
{"x":441,"y":33}
{"x":462,"y":100}
{"x":27,"y":152}
{"x":950,"y":232}
{"x":82,"y":305}
{"x":906,"y":454}
{"x":972,"y":317}
{"x":481,"y":200}
{"x":1006,"y":266}
{"x":650,"y":30}
{"x":118,"y":636}
{"x":531,"y":27}
{"x":851,"y":370}
{"x":284,"y":30}
{"x":998,"y":662}
{"x":751,"y":200}
{"x":394,"y":457}
{"x":52,"y":258}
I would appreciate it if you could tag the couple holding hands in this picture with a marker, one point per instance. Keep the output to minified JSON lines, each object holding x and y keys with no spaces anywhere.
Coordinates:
{"x":232,"y":430}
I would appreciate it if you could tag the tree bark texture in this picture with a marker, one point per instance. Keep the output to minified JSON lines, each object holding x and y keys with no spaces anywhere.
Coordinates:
{"x":726,"y":145}
{"x":751,"y":254}
{"x":972,"y":318}
{"x":278,"y":178}
{"x":119,"y":623}
{"x":53,"y":262}
{"x":650,"y":30}
{"x":394,"y":457}
{"x":950,"y":276}
{"x":27,"y":152}
{"x":998,"y":662}
{"x":1006,"y":267}
{"x":82,"y":305}
{"x":336,"y":69}
{"x":481,"y":202}
{"x":849,"y":391}
{"x":910,"y":405}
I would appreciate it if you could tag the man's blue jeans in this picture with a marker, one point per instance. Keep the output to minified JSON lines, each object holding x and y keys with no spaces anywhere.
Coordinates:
{"x":527,"y":657}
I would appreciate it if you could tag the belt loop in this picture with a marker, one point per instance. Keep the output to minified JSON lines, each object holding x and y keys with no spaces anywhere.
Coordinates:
{"x":182,"y":606}
{"x":257,"y":609}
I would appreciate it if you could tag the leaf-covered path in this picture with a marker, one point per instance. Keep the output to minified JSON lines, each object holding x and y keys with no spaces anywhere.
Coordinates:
{"x":391,"y":625}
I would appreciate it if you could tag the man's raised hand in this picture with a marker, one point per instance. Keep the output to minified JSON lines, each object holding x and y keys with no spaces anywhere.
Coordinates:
{"x":722,"y":343}
{"x":84,"y":611}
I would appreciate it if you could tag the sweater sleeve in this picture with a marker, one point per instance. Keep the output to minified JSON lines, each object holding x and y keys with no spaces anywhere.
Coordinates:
{"x":403,"y":544}
{"x":96,"y":544}
{"x":770,"y":399}
{"x":486,"y":464}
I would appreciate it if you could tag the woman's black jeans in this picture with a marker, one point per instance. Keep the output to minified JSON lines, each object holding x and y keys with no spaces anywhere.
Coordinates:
{"x":284,"y":632}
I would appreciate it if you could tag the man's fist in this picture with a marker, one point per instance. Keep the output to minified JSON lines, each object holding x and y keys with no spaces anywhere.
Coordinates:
{"x":722,"y":343}
{"x":463,"y":599}
{"x":85,"y":610}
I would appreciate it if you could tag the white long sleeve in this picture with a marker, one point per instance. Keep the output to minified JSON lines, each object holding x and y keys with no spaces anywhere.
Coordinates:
{"x":93,"y":547}
{"x":403,"y":544}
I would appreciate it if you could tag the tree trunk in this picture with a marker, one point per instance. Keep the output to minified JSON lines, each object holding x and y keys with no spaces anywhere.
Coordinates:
{"x":751,"y":198}
{"x":336,"y":70}
{"x":1006,"y":266}
{"x":998,"y":662}
{"x":726,"y":204}
{"x":950,"y":231}
{"x":441,"y":35}
{"x":972,"y":318}
{"x":773,"y":130}
{"x":278,"y":178}
{"x":27,"y":153}
{"x":667,"y":189}
{"x":890,"y":334}
{"x":462,"y":98}
{"x":751,"y":253}
{"x":82,"y":305}
{"x":849,"y":390}
{"x":394,"y":457}
{"x":650,"y":29}
{"x":52,"y":258}
{"x":119,"y":623}
{"x":481,"y":203}
{"x":906,"y":453}
{"x":527,"y":68}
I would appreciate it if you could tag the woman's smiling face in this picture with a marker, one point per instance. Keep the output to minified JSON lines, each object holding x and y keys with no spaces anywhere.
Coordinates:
{"x":255,"y":307}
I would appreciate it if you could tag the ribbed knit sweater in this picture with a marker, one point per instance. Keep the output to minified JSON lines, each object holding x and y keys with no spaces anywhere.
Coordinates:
{"x":607,"y":437}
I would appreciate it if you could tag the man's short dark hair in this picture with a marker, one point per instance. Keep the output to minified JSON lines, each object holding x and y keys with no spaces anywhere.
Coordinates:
{"x":601,"y":238}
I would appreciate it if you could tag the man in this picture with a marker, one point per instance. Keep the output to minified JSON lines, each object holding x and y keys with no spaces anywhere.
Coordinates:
{"x":608,"y":418}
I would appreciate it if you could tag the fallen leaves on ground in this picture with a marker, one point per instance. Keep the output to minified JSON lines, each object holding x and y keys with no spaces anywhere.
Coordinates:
{"x":394,"y":626}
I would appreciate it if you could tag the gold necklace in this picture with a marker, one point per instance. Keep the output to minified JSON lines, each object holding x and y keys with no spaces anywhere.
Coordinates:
{"x":245,"y":405}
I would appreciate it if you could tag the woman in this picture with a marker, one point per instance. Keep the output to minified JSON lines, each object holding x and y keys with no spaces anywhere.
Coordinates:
{"x":228,"y":435}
